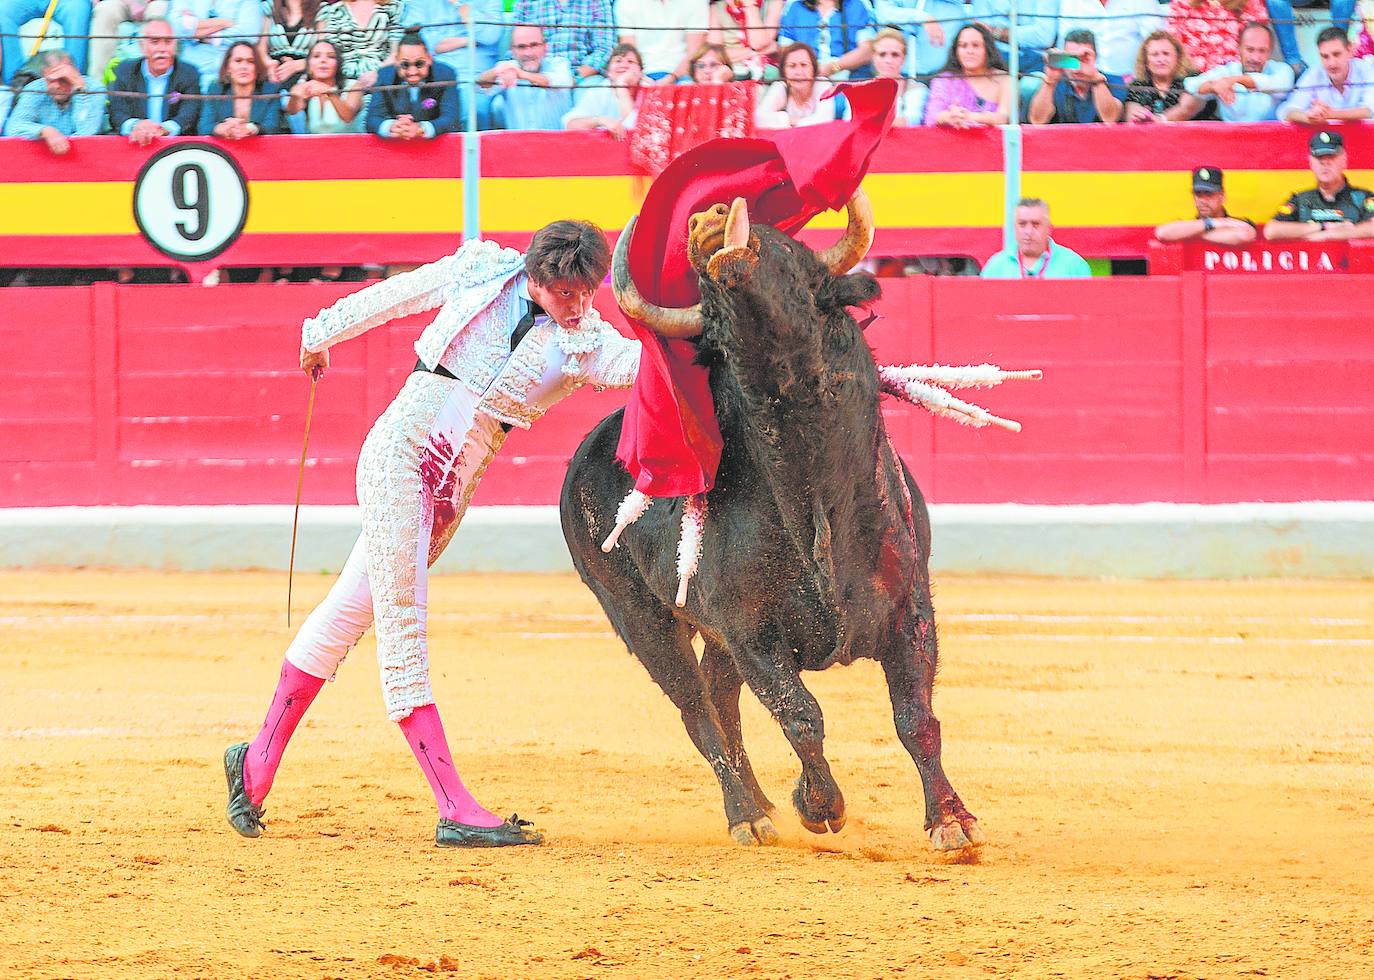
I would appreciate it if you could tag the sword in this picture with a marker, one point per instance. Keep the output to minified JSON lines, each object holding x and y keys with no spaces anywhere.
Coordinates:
{"x":300,"y":481}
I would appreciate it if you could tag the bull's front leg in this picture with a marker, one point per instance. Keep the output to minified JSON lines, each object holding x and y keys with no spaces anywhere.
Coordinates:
{"x":766,"y":664}
{"x":910,"y":669}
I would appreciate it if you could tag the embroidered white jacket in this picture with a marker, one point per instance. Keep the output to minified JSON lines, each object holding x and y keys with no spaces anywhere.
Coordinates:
{"x":475,"y":289}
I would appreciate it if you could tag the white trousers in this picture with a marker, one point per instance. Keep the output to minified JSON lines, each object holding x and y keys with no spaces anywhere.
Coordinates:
{"x":413,"y":488}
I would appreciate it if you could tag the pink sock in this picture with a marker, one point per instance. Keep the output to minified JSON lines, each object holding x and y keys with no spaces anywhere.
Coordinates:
{"x":295,"y":690}
{"x":425,"y":733}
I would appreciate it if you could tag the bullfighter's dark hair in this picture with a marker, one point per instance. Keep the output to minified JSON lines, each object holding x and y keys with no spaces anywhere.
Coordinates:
{"x":568,"y":251}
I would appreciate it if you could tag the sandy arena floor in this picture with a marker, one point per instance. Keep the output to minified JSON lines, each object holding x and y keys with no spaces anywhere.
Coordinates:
{"x":1177,"y":780}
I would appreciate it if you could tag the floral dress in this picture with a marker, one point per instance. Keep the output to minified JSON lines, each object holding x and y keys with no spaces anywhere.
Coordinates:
{"x":363,"y":47}
{"x":1209,"y":32}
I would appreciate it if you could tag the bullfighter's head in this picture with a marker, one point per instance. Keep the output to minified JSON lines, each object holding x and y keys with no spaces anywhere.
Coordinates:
{"x":724,"y":249}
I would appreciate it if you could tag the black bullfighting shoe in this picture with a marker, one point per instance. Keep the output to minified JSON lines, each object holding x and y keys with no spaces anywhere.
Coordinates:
{"x":244,"y":815}
{"x":512,"y":833}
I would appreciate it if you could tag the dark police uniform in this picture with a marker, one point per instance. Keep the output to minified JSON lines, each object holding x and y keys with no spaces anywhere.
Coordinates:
{"x":1352,"y":204}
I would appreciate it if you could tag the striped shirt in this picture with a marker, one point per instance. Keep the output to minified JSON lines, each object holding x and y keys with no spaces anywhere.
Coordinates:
{"x":580,"y":45}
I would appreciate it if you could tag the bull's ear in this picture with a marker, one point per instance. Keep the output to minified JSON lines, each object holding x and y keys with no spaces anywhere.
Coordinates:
{"x":855,"y":289}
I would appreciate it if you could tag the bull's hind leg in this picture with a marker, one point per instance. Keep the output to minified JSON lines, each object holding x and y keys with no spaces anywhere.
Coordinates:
{"x":765,"y":662}
{"x":724,"y":683}
{"x":663,"y":644}
{"x":910,"y":669}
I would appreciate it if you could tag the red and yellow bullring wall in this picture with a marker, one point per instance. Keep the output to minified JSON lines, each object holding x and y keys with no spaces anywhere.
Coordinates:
{"x":356,"y":199}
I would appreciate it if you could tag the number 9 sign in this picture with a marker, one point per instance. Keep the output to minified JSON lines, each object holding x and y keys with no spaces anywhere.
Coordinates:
{"x":191,"y":201}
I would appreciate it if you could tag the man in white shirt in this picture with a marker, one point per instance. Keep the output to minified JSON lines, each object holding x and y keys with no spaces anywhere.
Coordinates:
{"x":666,"y":32}
{"x":1120,"y":27}
{"x":1250,"y":89}
{"x":1340,"y":88}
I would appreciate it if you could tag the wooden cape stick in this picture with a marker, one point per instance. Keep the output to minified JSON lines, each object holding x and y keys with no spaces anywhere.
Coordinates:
{"x":300,"y":481}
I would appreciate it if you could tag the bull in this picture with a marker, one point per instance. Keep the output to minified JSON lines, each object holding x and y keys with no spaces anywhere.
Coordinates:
{"x":815,"y":547}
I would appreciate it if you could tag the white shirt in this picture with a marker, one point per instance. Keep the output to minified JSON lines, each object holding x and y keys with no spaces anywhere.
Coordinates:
{"x":1120,"y":27}
{"x":660,"y":28}
{"x":1314,"y":84}
{"x":1272,"y":86}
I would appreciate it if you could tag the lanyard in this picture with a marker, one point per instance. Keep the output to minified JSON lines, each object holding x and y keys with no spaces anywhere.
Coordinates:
{"x":1044,"y":259}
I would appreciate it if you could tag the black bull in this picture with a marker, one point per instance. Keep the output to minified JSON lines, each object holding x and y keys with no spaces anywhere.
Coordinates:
{"x":816,"y":539}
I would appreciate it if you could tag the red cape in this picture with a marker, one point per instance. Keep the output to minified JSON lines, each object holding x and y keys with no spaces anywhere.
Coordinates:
{"x":670,"y":441}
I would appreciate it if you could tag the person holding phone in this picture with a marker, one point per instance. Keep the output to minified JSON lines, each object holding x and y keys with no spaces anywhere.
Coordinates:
{"x":1074,"y":89}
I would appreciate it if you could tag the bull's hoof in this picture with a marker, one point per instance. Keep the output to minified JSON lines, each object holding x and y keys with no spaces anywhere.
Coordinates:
{"x":952,"y":835}
{"x":755,"y":833}
{"x":818,"y":814}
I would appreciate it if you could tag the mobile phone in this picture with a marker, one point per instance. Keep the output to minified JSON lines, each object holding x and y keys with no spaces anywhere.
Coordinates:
{"x":1061,"y":59}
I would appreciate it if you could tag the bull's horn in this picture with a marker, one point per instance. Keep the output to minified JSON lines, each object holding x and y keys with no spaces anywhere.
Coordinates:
{"x":668,"y":322}
{"x":857,"y":239}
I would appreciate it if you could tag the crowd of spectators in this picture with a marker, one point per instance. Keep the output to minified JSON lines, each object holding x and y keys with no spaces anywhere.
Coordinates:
{"x":241,"y":68}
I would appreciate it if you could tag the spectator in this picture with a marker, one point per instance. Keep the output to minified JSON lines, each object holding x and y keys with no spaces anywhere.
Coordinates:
{"x":449,"y":43}
{"x":162,"y":108}
{"x":586,"y":44}
{"x":57,"y":105}
{"x":207,"y":28}
{"x":749,"y":32}
{"x":321,"y":100}
{"x":415,"y":98}
{"x":1157,"y":94}
{"x":839,"y":31}
{"x":366,"y":32}
{"x":534,"y":90}
{"x":1119,"y":28}
{"x":1210,"y":29}
{"x":1250,"y":89}
{"x":666,"y":32}
{"x":710,"y":65}
{"x":1364,"y":41}
{"x":1212,"y":223}
{"x":106,"y":19}
{"x":613,"y":104}
{"x":797,"y":99}
{"x":249,"y":112}
{"x":73,"y":16}
{"x":930,"y":25}
{"x":1339,"y":88}
{"x":1078,"y":95}
{"x":1331,"y":211}
{"x":1281,"y":16}
{"x":288,"y":33}
{"x":1037,"y":255}
{"x":974,"y":88}
{"x":889,"y":61}
{"x":1037,"y":26}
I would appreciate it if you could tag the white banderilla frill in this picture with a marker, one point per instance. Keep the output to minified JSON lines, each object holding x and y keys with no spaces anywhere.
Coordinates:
{"x":690,"y":535}
{"x":924,"y":385}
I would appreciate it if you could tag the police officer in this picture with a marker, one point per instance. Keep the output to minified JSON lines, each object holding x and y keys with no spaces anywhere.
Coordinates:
{"x":1331,"y":211}
{"x":1212,"y":223}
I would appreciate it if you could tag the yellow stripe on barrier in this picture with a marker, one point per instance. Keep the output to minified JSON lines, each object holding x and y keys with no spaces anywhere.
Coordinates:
{"x":1092,"y":199}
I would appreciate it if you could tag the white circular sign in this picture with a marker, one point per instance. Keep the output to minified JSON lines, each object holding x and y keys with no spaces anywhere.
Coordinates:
{"x":191,"y":201}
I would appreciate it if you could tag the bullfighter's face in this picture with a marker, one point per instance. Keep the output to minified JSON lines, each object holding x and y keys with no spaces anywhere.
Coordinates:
{"x":566,"y":302}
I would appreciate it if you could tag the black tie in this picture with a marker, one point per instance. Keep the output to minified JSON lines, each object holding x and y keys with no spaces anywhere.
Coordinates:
{"x":526,"y":323}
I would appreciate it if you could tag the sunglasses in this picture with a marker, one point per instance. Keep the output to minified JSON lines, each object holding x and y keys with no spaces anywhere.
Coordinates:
{"x":407,"y":65}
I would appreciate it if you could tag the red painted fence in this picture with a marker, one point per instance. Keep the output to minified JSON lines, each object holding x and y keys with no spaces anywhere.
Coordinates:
{"x":1188,"y":388}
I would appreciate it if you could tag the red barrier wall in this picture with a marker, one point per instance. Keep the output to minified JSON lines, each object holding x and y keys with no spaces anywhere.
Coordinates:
{"x":1189,"y":388}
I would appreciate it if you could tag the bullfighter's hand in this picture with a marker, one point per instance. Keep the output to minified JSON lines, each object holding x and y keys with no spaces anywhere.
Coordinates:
{"x":311,"y":362}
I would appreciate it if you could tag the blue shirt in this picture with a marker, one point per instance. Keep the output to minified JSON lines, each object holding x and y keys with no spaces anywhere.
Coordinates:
{"x":850,"y":23}
{"x":924,"y":57}
{"x":1037,"y":21}
{"x":1058,"y":262}
{"x":1272,"y":86}
{"x":1070,"y":108}
{"x":35,"y":110}
{"x":444,"y":13}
